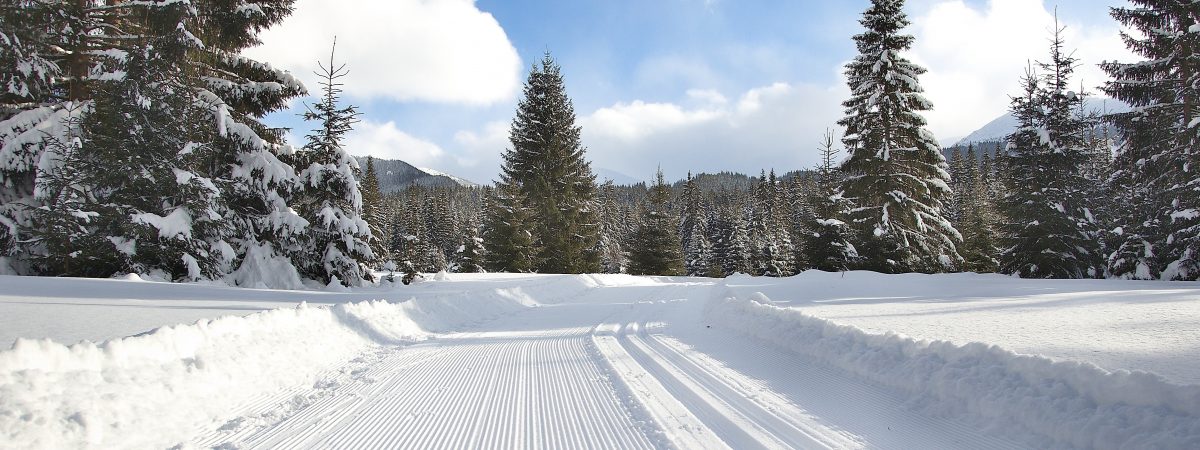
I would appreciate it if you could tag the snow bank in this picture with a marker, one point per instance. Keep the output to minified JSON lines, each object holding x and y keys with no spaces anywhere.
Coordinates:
{"x":1050,"y":403}
{"x":157,"y":389}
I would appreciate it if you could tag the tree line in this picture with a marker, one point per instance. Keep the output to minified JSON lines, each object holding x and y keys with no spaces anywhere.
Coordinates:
{"x":132,"y":141}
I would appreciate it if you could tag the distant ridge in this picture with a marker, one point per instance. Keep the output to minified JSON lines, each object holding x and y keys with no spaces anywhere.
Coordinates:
{"x":395,"y":175}
{"x":998,"y":129}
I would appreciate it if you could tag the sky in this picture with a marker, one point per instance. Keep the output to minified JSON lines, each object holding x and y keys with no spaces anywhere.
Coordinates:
{"x":685,"y":85}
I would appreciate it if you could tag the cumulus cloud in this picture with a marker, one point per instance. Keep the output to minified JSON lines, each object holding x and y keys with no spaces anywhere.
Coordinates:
{"x":428,"y":50}
{"x":975,"y":56}
{"x":772,"y":126}
{"x":386,"y":141}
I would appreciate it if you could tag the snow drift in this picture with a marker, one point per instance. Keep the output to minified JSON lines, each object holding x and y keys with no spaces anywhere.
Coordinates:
{"x":1050,"y":403}
{"x":156,"y":389}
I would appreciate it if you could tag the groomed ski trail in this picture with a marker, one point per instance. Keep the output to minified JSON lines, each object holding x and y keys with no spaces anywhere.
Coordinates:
{"x":624,"y":366}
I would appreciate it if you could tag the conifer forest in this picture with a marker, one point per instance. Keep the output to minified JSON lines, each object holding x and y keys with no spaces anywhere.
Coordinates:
{"x":133,"y":140}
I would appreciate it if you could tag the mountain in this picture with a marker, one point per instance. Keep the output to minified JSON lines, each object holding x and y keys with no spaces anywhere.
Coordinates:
{"x":997,"y":130}
{"x":395,"y":175}
{"x":618,"y":178}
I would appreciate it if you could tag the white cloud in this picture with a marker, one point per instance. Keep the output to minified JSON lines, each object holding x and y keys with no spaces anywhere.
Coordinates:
{"x":429,"y":50}
{"x":976,"y":55}
{"x":386,"y":141}
{"x":774,"y":126}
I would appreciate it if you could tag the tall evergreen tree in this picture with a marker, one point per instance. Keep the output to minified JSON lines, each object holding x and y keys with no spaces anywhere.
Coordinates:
{"x":65,"y":52}
{"x":372,"y":210}
{"x":547,"y":164}
{"x":338,"y":239}
{"x":1155,"y":165}
{"x":693,"y":230}
{"x":1048,"y":231}
{"x":506,"y":232}
{"x":612,"y":232}
{"x":978,"y":216}
{"x":895,"y":174}
{"x":730,"y":240}
{"x":828,"y":238}
{"x":654,"y":245}
{"x":771,"y":246}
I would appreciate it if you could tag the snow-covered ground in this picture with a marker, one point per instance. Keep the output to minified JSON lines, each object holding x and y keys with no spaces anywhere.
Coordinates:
{"x":517,"y":361}
{"x":1118,"y":325}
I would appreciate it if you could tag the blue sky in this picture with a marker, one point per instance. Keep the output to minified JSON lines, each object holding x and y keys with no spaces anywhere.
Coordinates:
{"x":698,"y":85}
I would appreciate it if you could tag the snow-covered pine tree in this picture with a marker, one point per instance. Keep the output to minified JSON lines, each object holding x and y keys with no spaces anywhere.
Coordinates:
{"x":45,"y":65}
{"x":162,"y":220}
{"x":654,"y":247}
{"x":372,"y":210}
{"x":337,"y":238}
{"x":250,"y":163}
{"x":800,"y":218}
{"x":895,"y":174}
{"x":506,"y":231}
{"x":547,"y":163}
{"x":1155,"y":165}
{"x":730,"y":239}
{"x":693,"y":230}
{"x":828,"y":238}
{"x":771,"y":246}
{"x":612,"y":231}
{"x":978,"y":217}
{"x":84,"y":43}
{"x":953,"y":206}
{"x":1048,"y":231}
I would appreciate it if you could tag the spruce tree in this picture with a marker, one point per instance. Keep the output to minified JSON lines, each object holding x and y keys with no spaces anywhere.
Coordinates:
{"x":506,"y":231}
{"x":612,"y":232}
{"x":372,"y":210}
{"x":1048,"y":231}
{"x":163,"y":220}
{"x":730,"y":240}
{"x":895,"y":174}
{"x":654,"y":245}
{"x":1155,"y":165}
{"x":828,"y":238}
{"x":978,"y":217}
{"x":337,"y":238}
{"x":693,"y":231}
{"x":59,"y":72}
{"x":547,"y":164}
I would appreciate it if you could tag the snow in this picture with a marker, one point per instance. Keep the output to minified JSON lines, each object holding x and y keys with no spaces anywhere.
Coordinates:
{"x":1115,"y":324}
{"x":176,"y":223}
{"x":819,"y":360}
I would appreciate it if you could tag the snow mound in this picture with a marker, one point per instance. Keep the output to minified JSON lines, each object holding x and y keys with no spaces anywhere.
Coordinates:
{"x":1051,"y":403}
{"x":153,"y":390}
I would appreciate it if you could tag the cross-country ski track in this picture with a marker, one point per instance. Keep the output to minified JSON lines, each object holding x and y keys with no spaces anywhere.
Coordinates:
{"x":638,"y":368}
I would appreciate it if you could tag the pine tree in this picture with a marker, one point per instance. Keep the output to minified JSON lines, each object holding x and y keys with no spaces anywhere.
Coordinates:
{"x":828,"y":236}
{"x":896,"y":174}
{"x":612,"y":232}
{"x":506,"y":231}
{"x":1048,"y":230}
{"x":1154,"y":167}
{"x":771,"y":247}
{"x":338,"y":239}
{"x":163,"y":220}
{"x":978,"y":216}
{"x":654,"y":245}
{"x":954,"y":204}
{"x":547,"y":164}
{"x":372,"y":210}
{"x":59,"y":71}
{"x":730,"y":241}
{"x":693,"y":231}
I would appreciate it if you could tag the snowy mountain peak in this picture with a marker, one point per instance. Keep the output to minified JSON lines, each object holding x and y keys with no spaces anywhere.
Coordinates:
{"x":1002,"y":126}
